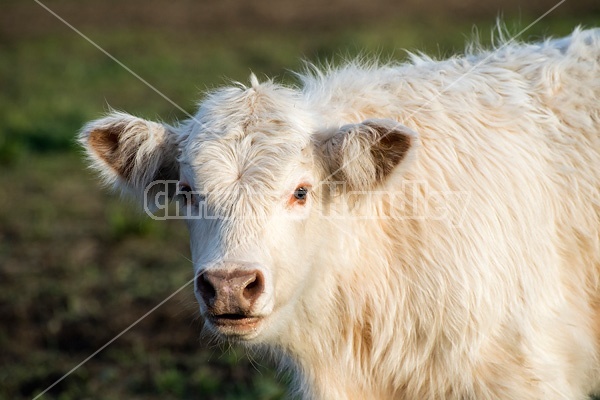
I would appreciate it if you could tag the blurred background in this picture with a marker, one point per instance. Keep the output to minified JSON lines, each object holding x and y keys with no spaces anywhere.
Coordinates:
{"x":77,"y":266}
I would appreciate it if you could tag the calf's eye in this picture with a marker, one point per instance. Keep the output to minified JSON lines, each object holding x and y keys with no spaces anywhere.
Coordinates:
{"x":185,"y":191}
{"x":301,"y":194}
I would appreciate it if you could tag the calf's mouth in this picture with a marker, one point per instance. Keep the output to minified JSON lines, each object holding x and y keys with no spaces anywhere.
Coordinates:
{"x":236,"y":325}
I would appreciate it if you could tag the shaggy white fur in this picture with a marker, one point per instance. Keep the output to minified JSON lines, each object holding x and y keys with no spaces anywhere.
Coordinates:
{"x":457,"y":256}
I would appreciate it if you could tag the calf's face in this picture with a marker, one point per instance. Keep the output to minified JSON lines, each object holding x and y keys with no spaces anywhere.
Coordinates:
{"x":252,"y":172}
{"x":252,"y":205}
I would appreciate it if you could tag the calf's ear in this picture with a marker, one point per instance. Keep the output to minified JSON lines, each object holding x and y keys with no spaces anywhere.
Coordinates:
{"x":131,"y":153}
{"x":364,"y":155}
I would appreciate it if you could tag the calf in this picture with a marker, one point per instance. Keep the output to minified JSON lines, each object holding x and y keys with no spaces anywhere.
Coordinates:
{"x":427,"y":230}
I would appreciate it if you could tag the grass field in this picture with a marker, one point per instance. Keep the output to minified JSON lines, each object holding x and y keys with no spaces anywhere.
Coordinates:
{"x":78,"y":266}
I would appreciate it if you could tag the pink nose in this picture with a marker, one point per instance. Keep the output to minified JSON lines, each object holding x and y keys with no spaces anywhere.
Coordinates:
{"x":230,"y":292}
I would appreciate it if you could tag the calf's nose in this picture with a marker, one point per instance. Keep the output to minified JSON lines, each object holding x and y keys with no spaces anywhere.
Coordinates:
{"x":230,"y":291}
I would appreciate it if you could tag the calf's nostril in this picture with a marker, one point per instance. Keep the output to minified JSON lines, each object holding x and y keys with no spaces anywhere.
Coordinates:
{"x":254,"y":287}
{"x":206,"y":289}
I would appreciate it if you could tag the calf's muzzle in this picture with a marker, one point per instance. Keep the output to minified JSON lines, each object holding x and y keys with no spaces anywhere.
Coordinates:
{"x":230,"y":292}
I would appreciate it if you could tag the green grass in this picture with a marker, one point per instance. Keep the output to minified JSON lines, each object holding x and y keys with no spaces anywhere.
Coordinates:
{"x":53,"y":84}
{"x":77,"y":266}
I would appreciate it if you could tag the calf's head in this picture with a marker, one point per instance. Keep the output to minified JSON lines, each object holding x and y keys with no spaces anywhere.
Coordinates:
{"x":251,"y":167}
